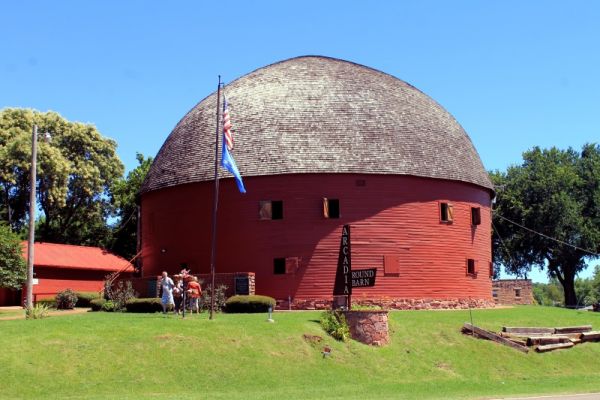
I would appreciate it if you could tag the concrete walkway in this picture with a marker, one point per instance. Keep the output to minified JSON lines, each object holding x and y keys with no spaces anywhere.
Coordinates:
{"x":587,"y":396}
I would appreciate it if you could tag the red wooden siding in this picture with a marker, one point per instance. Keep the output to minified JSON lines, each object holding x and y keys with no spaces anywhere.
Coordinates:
{"x":54,"y":280}
{"x":391,"y":216}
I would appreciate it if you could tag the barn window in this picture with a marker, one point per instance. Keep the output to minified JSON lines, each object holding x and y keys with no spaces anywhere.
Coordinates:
{"x":446,"y":212}
{"x":475,"y":216}
{"x":470,"y":266}
{"x":495,"y":293}
{"x":279,"y":266}
{"x":517,"y":292}
{"x":270,"y":209}
{"x":331,"y":208}
{"x":391,"y":265}
{"x":291,"y":264}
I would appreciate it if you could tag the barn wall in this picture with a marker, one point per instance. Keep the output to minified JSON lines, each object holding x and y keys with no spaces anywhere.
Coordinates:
{"x":390,"y":216}
{"x":54,"y":280}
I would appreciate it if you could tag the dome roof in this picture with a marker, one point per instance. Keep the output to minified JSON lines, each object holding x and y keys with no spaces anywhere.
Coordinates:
{"x":321,"y":115}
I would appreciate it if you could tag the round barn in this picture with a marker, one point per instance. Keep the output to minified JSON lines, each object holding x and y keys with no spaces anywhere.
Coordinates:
{"x":322,"y":143}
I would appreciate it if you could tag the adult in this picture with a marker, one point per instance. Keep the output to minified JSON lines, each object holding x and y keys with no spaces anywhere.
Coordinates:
{"x":194,"y":292}
{"x":178,"y":293}
{"x":167,"y":285}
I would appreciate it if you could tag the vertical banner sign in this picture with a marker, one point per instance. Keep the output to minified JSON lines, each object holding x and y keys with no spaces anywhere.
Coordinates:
{"x":343,"y":278}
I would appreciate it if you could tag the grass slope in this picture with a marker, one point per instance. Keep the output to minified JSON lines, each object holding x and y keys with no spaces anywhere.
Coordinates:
{"x":104,"y":355}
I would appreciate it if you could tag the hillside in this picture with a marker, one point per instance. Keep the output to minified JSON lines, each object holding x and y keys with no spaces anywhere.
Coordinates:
{"x":104,"y":355}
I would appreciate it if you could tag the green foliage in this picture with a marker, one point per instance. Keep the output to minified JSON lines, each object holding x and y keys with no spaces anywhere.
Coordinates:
{"x":76,"y":170}
{"x":555,"y":192}
{"x":125,"y":200}
{"x":97,"y":304}
{"x":144,"y":305}
{"x":220,"y":298}
{"x":334,"y":323}
{"x":360,"y":307}
{"x":118,"y":294}
{"x":110,"y":306}
{"x":13,"y":269}
{"x":66,"y":300}
{"x":549,"y":294}
{"x":249,"y":304}
{"x":38,"y":311}
{"x":84,"y":298}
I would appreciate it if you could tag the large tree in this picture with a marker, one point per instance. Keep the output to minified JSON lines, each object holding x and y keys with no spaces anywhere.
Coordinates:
{"x":76,"y":169}
{"x":13,"y":271}
{"x":125,"y":197}
{"x":555,"y":193}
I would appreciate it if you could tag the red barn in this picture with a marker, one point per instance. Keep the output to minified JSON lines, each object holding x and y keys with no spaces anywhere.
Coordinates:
{"x":61,"y":266}
{"x":321,"y":143}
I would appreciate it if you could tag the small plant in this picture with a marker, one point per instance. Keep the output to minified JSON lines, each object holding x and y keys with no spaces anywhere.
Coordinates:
{"x":249,"y":304}
{"x":109,"y":306}
{"x":220,"y":298}
{"x":66,"y":300}
{"x":38,"y":311}
{"x":97,"y":304}
{"x":334,"y":323}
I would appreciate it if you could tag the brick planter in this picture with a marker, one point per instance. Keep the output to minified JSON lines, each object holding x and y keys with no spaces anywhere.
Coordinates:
{"x":369,"y":326}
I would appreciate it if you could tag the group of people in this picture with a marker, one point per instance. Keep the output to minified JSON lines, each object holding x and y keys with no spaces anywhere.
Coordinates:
{"x":182,"y":286}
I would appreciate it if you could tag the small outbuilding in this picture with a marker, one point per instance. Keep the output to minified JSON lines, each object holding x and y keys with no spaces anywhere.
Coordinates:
{"x":513,"y":291}
{"x":61,"y":266}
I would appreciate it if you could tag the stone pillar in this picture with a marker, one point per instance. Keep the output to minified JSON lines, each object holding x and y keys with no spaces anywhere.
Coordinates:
{"x":368,"y":326}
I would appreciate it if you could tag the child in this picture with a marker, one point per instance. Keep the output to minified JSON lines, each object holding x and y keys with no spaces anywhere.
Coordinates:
{"x":194,"y":292}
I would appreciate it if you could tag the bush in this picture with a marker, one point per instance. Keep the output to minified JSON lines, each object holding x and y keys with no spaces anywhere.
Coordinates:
{"x":66,"y":300}
{"x":118,"y":294}
{"x":220,"y":298}
{"x":334,"y":323}
{"x":38,"y":311}
{"x":249,"y":304}
{"x":110,"y":306}
{"x":50,"y":303}
{"x":97,"y":304}
{"x":144,"y":305}
{"x":84,"y":298}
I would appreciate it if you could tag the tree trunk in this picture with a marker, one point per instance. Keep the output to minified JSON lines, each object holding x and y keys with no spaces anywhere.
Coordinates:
{"x":569,"y":289}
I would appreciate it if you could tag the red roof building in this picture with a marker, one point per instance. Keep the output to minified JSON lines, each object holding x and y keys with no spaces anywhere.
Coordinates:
{"x":61,"y":266}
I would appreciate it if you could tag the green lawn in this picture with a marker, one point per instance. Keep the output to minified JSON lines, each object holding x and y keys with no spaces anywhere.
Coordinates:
{"x":104,"y":355}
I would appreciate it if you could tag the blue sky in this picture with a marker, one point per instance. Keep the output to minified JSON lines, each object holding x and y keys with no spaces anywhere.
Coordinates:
{"x":515,"y":74}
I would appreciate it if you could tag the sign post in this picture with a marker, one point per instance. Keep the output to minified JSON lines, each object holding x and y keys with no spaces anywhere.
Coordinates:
{"x":343,"y":279}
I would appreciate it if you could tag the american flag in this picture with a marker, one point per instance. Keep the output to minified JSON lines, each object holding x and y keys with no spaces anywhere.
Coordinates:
{"x":228,"y":135}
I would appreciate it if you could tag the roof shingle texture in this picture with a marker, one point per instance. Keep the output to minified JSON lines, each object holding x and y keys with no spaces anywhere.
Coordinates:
{"x":321,"y":115}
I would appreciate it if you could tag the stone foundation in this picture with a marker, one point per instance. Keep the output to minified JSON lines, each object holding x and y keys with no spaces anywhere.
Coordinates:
{"x":392,"y":304}
{"x":369,"y":326}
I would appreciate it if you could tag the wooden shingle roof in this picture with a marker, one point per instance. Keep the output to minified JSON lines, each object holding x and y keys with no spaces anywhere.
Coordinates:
{"x":321,"y":115}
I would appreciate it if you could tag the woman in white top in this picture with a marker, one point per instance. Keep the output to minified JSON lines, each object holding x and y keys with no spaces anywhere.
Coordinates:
{"x":167,"y":291}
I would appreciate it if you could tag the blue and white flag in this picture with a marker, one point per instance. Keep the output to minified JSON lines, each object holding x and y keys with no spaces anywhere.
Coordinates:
{"x":227,"y":160}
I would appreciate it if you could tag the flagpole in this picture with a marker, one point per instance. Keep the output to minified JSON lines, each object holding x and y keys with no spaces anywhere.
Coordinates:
{"x":213,"y":249}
